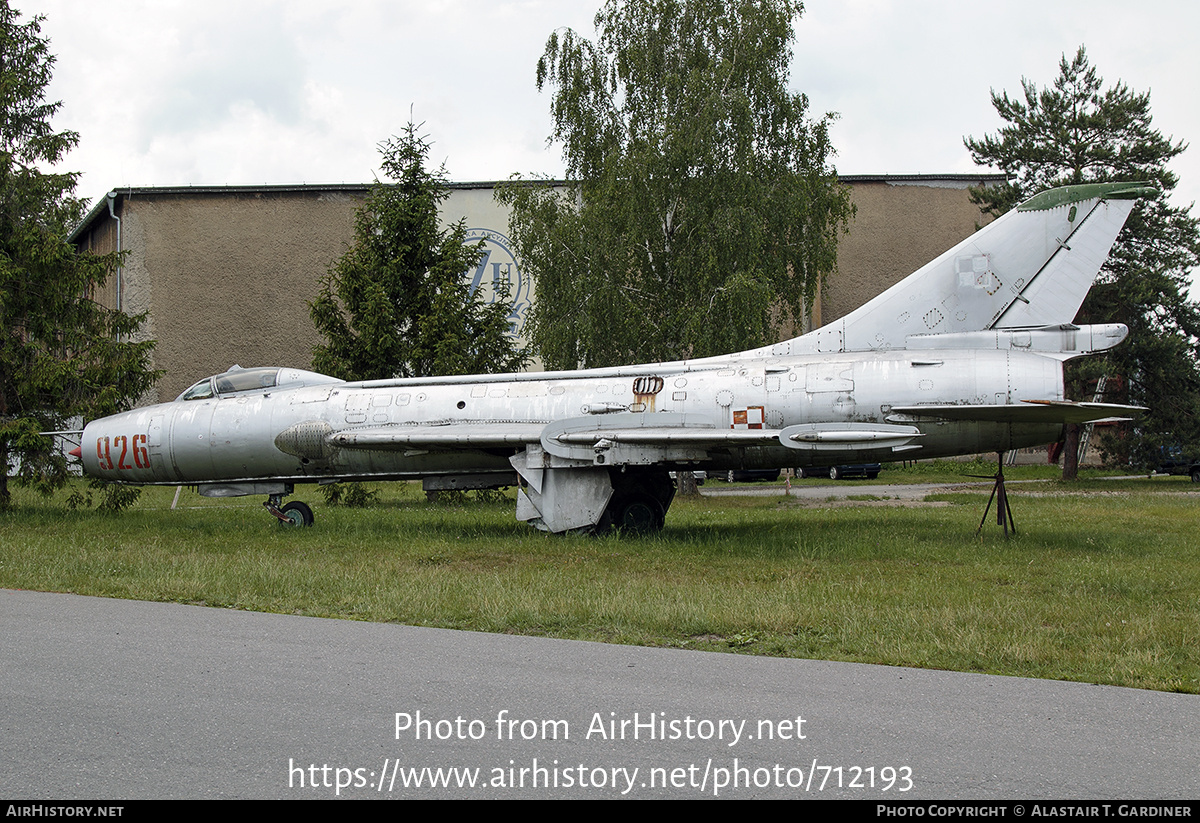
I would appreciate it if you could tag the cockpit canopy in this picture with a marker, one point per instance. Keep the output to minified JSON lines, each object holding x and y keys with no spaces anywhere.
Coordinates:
{"x":238,"y":380}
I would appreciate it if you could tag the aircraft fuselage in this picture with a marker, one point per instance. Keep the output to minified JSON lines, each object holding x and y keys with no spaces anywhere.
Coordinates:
{"x":292,"y":434}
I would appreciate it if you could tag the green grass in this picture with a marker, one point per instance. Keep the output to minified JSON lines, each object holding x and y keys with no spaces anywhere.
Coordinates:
{"x":1102,"y":584}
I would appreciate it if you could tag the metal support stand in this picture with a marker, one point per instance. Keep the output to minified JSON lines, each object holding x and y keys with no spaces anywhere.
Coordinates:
{"x":1003,"y":511}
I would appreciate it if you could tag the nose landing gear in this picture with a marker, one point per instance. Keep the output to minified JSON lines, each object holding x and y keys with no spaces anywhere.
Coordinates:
{"x":290,"y":514}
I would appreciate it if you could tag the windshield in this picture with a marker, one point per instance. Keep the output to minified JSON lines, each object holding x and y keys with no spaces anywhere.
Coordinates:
{"x":199,"y":391}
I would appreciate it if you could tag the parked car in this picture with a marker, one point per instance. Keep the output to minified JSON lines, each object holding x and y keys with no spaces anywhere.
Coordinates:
{"x":1174,"y":461}
{"x":752,"y":475}
{"x":867,"y":470}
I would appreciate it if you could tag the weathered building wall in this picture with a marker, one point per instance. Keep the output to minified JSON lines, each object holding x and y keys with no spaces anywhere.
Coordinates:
{"x":227,"y":277}
{"x":230,"y":279}
{"x":226,"y":274}
{"x":901,"y":224}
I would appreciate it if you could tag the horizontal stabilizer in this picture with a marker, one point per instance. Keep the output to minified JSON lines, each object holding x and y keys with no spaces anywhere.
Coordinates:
{"x":1062,"y":342}
{"x":1028,"y":411}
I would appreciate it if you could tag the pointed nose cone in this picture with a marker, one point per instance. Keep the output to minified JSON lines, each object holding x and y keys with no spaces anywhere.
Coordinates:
{"x":76,"y":452}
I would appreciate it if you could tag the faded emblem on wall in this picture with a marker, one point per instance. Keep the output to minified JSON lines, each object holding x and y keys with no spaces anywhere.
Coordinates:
{"x":499,"y":276}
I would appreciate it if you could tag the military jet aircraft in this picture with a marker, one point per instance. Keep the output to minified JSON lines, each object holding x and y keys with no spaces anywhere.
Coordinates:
{"x":963,"y":356}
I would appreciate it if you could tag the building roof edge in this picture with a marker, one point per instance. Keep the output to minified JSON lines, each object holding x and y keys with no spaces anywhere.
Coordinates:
{"x":304,"y":188}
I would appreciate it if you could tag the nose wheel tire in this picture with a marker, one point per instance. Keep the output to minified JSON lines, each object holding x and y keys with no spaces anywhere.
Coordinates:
{"x":297,"y":514}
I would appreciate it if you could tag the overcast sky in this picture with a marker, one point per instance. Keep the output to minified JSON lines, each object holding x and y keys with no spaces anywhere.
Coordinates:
{"x":175,"y":92}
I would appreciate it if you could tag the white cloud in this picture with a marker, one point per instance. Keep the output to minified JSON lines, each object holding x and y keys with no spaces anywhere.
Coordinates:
{"x":259,"y":91}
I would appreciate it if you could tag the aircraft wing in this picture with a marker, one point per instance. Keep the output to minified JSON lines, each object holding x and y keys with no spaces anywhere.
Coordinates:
{"x":684,"y":436}
{"x":687,"y":437}
{"x":652,"y":436}
{"x":1027,"y":411}
{"x":482,"y":434}
{"x":669,"y":436}
{"x":644,"y":430}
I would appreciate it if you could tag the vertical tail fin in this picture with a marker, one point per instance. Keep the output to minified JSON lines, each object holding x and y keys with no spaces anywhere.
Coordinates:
{"x":1030,"y":268}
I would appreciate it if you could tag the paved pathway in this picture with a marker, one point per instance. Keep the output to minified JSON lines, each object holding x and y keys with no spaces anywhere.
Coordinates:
{"x":115,"y":699}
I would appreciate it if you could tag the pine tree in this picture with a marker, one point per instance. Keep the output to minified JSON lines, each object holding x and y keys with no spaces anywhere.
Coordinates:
{"x":1076,"y":131}
{"x":62,"y":355}
{"x":397,"y":304}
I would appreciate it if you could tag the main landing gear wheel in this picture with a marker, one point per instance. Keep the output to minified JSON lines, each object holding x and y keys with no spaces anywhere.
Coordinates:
{"x":834,"y":473}
{"x":637,"y":513}
{"x":641,"y":497}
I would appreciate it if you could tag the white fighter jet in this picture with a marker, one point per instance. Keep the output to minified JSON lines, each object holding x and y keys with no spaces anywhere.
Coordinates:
{"x":963,"y":356}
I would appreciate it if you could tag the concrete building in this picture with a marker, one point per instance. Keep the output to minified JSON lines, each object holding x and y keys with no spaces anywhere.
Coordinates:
{"x":226,"y":273}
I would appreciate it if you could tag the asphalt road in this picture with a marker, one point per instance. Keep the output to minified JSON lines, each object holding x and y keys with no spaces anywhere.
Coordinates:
{"x":113,"y":699}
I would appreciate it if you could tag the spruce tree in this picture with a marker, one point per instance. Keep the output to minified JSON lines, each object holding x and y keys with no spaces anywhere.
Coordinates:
{"x":397,"y":304}
{"x":63,"y":356}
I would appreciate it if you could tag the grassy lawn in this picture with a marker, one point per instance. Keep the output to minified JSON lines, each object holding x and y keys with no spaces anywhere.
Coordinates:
{"x":1102,"y":585}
